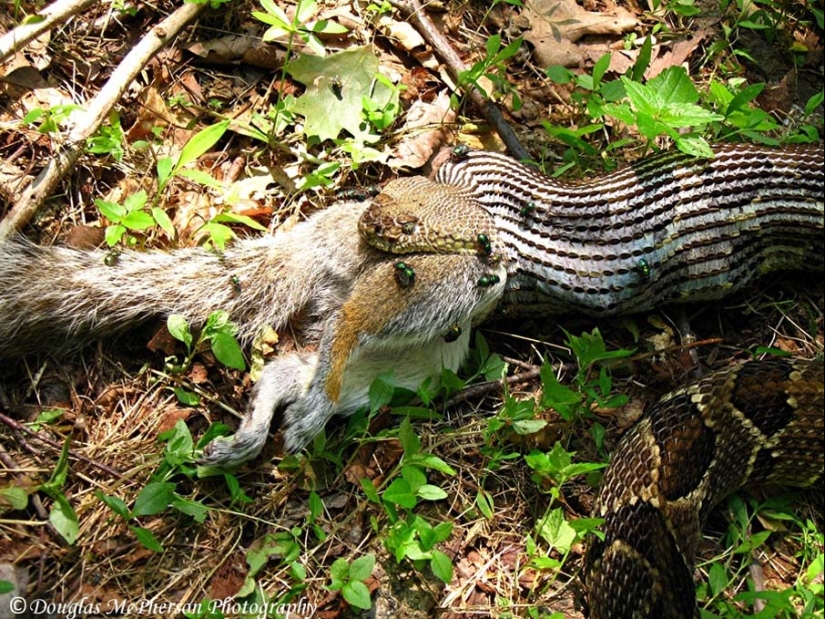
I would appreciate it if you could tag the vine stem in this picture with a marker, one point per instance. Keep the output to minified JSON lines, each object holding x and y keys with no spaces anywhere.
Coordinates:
{"x":411,"y":9}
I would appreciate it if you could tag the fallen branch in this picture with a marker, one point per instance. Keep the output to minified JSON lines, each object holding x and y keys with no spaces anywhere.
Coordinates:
{"x":86,"y":123}
{"x":455,"y":66}
{"x":52,"y":15}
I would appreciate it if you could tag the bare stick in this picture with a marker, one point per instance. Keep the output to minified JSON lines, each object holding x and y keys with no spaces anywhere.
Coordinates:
{"x":52,"y":15}
{"x":412,"y":10}
{"x":87,"y":122}
{"x":19,"y":427}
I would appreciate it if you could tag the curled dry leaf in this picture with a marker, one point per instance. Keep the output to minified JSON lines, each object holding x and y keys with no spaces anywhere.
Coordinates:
{"x":557,"y":26}
{"x":423,"y":131}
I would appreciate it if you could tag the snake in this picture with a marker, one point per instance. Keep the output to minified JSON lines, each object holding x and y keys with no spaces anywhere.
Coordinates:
{"x":668,"y":229}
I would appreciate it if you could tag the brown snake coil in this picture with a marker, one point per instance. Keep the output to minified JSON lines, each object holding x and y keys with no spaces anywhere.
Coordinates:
{"x":761,"y":422}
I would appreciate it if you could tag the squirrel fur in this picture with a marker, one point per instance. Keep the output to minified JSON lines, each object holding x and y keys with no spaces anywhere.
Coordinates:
{"x":367,"y":320}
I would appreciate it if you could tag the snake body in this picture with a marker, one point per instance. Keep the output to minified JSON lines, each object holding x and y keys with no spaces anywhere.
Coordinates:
{"x":667,"y":229}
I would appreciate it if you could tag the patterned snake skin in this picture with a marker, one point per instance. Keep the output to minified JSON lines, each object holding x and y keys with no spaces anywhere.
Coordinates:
{"x":706,"y":228}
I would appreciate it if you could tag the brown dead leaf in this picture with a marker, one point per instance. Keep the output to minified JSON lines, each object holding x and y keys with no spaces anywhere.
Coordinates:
{"x":228,"y":578}
{"x":679,"y":53}
{"x":171,"y":415}
{"x":238,"y":49}
{"x":557,"y":26}
{"x":423,"y":132}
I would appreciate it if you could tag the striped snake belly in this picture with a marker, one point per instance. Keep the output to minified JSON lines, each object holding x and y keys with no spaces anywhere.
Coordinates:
{"x":666,"y":229}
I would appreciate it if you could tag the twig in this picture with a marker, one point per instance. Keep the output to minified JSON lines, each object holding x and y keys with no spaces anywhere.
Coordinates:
{"x":19,"y":427}
{"x":455,"y":66}
{"x":486,"y":387}
{"x":52,"y":15}
{"x":87,"y":122}
{"x":36,"y":503}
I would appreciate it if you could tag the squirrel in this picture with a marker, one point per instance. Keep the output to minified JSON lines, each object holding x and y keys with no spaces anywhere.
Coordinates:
{"x":368,"y":309}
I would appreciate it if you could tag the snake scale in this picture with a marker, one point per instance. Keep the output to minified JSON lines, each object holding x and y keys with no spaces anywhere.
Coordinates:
{"x":669,"y":229}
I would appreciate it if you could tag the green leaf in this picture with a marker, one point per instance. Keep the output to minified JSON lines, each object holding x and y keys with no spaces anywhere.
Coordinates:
{"x":442,"y":530}
{"x":357,"y":594}
{"x":695,"y":146}
{"x":164,"y":167}
{"x":369,"y":490}
{"x":381,"y":390}
{"x":556,"y":531}
{"x":400,"y":493}
{"x":559,"y":74}
{"x":186,"y":397}
{"x":554,"y":395}
{"x":717,"y":578}
{"x":138,"y":220}
{"x":431,"y":461}
{"x":162,"y":219}
{"x":442,"y":566}
{"x":113,"y":234}
{"x":60,"y":473}
{"x":431,"y":493}
{"x":64,"y":519}
{"x":154,"y":498}
{"x":228,"y":351}
{"x":239,"y":219}
{"x":6,"y":587}
{"x":201,"y":142}
{"x":195,"y":509}
{"x":147,"y":538}
{"x":643,"y":59}
{"x":327,"y":26}
{"x":111,"y":211}
{"x":484,"y":502}
{"x":178,"y":327}
{"x":745,"y":96}
{"x":524,"y":427}
{"x":599,"y":69}
{"x":218,"y":233}
{"x":362,"y":567}
{"x":135,"y":201}
{"x":329,"y":109}
{"x":116,"y":504}
{"x":16,"y":498}
{"x":339,"y":573}
{"x":202,"y":178}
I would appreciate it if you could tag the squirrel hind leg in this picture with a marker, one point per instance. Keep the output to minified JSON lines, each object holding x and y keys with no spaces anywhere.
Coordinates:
{"x":283,"y":381}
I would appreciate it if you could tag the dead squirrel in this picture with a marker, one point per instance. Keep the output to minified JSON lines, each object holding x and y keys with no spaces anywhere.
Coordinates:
{"x":373,"y":310}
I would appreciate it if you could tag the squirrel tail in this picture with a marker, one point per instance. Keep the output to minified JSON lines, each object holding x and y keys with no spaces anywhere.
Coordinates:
{"x":54,"y":296}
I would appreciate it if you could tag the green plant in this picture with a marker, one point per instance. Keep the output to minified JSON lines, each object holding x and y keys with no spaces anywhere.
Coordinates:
{"x":666,"y":105}
{"x":284,"y":545}
{"x":62,"y":514}
{"x":348,"y":578}
{"x":410,"y":536}
{"x":300,"y":25}
{"x":50,"y":119}
{"x":803,"y":599}
{"x":131,"y":217}
{"x":161,"y":493}
{"x":492,"y":67}
{"x":109,"y":139}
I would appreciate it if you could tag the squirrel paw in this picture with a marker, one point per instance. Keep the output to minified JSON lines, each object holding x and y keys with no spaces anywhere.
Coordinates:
{"x":231,"y":451}
{"x":305,"y":419}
